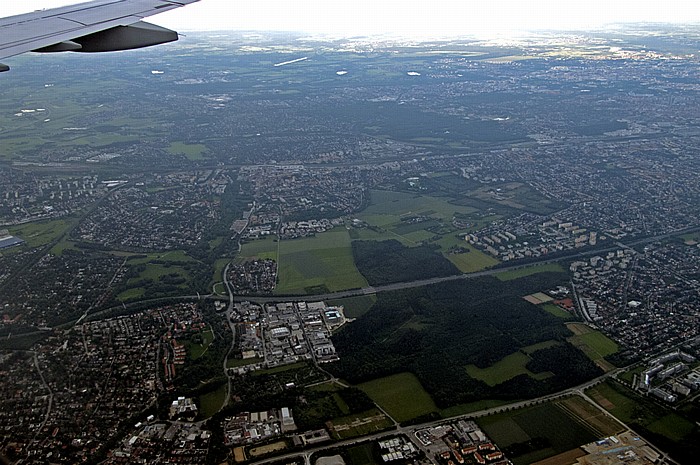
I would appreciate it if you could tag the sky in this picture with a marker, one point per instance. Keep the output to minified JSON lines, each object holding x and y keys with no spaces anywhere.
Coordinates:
{"x":426,"y":18}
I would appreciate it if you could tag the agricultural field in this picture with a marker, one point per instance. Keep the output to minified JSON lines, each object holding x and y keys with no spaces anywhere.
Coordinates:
{"x":259,"y":249}
{"x":538,"y":432}
{"x":318,"y":263}
{"x":557,"y":311}
{"x":402,"y":396}
{"x":593,"y":343}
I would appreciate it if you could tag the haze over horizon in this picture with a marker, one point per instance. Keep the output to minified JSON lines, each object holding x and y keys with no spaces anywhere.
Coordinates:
{"x":415,"y":19}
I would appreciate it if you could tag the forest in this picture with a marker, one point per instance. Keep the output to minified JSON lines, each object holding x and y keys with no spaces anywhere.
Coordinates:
{"x":436,"y":331}
{"x":385,"y":262}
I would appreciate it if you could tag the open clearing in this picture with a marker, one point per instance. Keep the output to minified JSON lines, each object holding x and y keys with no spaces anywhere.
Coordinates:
{"x":402,"y":396}
{"x":211,"y":402}
{"x":40,"y":233}
{"x":510,"y":366}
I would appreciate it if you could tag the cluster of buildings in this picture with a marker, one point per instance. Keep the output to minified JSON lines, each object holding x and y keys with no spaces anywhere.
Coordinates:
{"x":459,"y":442}
{"x":530,"y":240}
{"x":284,"y":333}
{"x":152,"y":216}
{"x":647,"y":299}
{"x":252,"y":427}
{"x":669,"y":376}
{"x":27,"y":196}
{"x":71,"y":283}
{"x":253,"y":276}
{"x":77,"y":387}
{"x":161,"y":443}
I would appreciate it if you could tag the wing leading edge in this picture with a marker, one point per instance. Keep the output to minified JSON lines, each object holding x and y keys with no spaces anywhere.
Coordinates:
{"x":95,"y":26}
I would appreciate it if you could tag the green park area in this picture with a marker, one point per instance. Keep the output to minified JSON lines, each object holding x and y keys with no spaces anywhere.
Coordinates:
{"x":198,"y":343}
{"x":401,"y":395}
{"x":193,"y":152}
{"x":159,"y":274}
{"x":211,"y":402}
{"x":416,"y":218}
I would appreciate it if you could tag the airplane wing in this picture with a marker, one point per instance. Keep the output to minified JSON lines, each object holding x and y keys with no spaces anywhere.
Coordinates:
{"x":95,"y":26}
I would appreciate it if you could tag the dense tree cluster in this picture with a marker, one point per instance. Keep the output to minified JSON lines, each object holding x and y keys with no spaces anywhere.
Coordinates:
{"x":384,"y":262}
{"x":436,"y":331}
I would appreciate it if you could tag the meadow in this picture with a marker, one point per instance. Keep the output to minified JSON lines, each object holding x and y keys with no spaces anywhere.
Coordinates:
{"x":401,"y":395}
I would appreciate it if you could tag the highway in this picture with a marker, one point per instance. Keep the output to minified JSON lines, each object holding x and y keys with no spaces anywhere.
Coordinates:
{"x":426,"y":282}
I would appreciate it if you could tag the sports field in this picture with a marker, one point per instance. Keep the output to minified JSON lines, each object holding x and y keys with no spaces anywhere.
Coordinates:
{"x":402,"y":396}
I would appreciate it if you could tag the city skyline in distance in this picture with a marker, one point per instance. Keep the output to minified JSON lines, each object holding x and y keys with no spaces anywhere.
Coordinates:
{"x":413,"y":19}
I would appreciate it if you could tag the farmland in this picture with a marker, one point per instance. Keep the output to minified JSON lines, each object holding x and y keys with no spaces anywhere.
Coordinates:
{"x":593,"y":343}
{"x":402,"y":396}
{"x":535,"y":433}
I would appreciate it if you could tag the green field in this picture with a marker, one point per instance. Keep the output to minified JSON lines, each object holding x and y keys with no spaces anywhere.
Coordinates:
{"x":260,"y":249}
{"x":530,"y":270}
{"x":356,"y":306}
{"x":510,"y":366}
{"x":40,"y":233}
{"x":557,"y":311}
{"x":323,"y":262}
{"x":387,"y":209}
{"x":211,"y":402}
{"x":193,"y":152}
{"x":402,"y":396}
{"x":593,"y":343}
{"x":472,"y":261}
{"x":194,"y":350}
{"x":538,"y":432}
